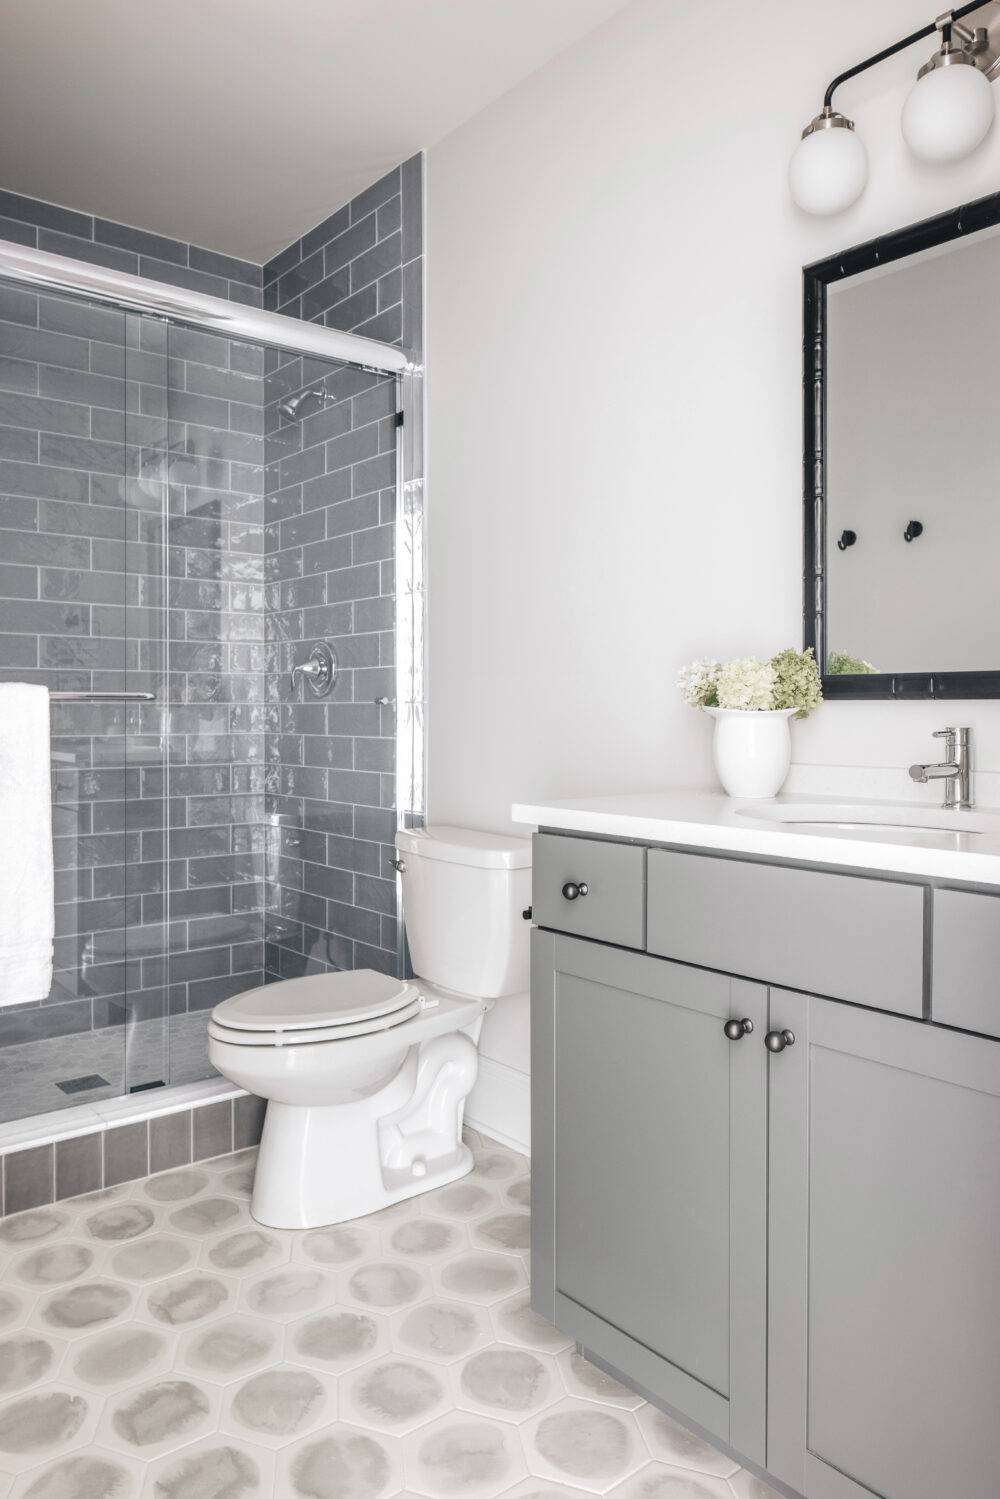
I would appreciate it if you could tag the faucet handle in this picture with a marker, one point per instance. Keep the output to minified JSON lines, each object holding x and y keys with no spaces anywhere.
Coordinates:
{"x":320,"y":670}
{"x":944,"y":733}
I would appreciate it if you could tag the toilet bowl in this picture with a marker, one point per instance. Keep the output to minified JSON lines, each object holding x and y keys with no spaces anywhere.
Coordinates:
{"x":365,"y":1075}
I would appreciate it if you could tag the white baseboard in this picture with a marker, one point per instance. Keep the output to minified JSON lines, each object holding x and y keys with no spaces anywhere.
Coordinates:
{"x":500,"y":1105}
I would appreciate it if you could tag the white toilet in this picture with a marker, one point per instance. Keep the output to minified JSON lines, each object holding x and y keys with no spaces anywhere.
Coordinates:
{"x":366,"y":1076}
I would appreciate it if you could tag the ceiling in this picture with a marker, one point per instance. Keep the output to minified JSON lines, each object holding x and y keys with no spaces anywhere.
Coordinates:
{"x":239,"y":124}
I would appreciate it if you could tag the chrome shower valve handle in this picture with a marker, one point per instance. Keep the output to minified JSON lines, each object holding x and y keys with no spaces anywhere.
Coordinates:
{"x":319,"y":672}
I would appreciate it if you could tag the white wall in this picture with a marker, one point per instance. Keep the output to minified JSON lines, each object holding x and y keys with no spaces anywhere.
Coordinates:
{"x":614,"y":394}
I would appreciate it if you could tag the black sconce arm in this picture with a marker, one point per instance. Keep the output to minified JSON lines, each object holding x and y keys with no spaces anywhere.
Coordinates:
{"x":943,"y":24}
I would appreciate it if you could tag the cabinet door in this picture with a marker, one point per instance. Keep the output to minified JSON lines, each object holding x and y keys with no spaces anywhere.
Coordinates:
{"x":884,"y":1279}
{"x":649,"y":1161}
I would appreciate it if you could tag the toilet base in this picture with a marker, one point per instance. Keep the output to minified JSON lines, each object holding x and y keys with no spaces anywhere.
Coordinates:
{"x":324,"y":1164}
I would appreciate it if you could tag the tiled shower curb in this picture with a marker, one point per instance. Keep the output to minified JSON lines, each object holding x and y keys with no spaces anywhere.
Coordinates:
{"x":65,"y":1154}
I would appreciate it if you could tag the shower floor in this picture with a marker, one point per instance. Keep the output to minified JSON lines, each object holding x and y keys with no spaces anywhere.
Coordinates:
{"x":146,"y":1052}
{"x":155,"y":1342}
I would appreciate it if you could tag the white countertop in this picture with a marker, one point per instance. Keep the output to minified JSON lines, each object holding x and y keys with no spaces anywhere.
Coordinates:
{"x":712,"y":820}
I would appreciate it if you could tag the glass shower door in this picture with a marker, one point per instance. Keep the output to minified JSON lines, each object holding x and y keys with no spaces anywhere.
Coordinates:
{"x":146,"y":937}
{"x":64,"y":596}
{"x":182,"y":517}
{"x":200,"y":623}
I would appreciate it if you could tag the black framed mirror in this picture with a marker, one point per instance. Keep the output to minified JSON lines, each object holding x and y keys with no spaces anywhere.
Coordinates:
{"x":901,"y":461}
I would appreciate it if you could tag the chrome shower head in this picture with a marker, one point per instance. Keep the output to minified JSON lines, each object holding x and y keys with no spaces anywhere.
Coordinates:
{"x":291,"y":406}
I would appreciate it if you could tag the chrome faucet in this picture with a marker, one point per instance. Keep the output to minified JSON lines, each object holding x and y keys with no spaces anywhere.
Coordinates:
{"x":955,"y":770}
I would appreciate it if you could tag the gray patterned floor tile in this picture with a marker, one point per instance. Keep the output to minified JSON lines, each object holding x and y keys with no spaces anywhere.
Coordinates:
{"x":156,"y":1343}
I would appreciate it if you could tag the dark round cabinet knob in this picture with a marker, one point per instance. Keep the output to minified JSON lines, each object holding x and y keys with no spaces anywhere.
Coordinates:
{"x":778,"y":1040}
{"x":572,"y":891}
{"x":735,"y":1030}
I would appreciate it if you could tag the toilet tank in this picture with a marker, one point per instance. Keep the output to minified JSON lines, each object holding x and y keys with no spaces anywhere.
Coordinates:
{"x":463,"y":897}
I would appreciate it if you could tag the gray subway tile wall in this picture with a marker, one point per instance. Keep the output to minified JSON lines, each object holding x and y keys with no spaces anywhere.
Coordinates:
{"x":41,"y":1174}
{"x":330,"y":490}
{"x":136,"y":538}
{"x":212,"y":1130}
{"x":64,"y":231}
{"x":170,"y":1141}
{"x":29,"y":1178}
{"x":361,"y":269}
{"x":162,"y":528}
{"x":329,"y":544}
{"x":79,"y":1166}
{"x":126,"y":1153}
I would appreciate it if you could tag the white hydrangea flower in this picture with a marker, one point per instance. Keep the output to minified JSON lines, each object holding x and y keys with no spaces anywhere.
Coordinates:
{"x":747,"y":684}
{"x":697,"y":683}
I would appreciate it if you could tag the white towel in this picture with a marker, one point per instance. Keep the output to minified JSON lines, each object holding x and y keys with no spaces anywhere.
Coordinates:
{"x":27,"y":914}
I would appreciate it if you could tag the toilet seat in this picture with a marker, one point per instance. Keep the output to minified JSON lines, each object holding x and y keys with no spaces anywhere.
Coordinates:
{"x":322,"y":1007}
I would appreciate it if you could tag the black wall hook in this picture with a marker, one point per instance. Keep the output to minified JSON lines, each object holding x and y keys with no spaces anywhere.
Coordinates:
{"x":847,"y":539}
{"x":913,"y":530}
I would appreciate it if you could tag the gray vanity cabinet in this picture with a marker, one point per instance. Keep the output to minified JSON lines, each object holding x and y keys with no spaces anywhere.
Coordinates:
{"x":649,"y":1158}
{"x":795,"y":1246}
{"x":884,"y":1244}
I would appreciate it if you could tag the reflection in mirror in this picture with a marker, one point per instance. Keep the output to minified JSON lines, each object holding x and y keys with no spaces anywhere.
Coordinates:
{"x":912,"y":553}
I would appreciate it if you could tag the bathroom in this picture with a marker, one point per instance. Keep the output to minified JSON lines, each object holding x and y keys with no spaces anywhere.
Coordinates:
{"x":394,"y":400}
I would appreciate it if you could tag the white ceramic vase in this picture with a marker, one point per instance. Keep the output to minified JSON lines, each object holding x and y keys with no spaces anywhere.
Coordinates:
{"x":752,"y":750}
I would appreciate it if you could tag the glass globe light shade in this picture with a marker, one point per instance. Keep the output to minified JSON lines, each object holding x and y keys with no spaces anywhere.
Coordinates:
{"x":829,"y":168}
{"x":947,"y":112}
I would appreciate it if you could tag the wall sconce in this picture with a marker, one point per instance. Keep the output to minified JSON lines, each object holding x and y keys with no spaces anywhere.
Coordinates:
{"x":947,"y":114}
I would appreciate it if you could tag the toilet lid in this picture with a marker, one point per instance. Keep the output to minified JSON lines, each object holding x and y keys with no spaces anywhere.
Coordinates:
{"x":322,"y":1001}
{"x":284,"y":1037}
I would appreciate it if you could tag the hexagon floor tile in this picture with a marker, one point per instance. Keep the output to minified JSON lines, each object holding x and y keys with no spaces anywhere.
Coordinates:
{"x":462,"y":1456}
{"x":394,"y":1395}
{"x":161,"y":1416}
{"x":218,"y":1465}
{"x":340,"y":1460}
{"x":589,"y":1447}
{"x":90,"y":1470}
{"x":155,"y":1341}
{"x":279,"y":1404}
{"x":658,"y":1481}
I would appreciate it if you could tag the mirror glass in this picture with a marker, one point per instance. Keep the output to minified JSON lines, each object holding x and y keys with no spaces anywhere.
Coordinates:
{"x":913,"y":464}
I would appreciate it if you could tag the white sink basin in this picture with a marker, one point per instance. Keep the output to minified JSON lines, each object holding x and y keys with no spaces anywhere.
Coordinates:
{"x":875,"y":816}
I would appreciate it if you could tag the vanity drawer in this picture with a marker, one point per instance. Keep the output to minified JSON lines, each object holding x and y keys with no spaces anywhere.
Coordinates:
{"x":831,"y":934}
{"x":613,"y":908}
{"x":965,"y":988}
